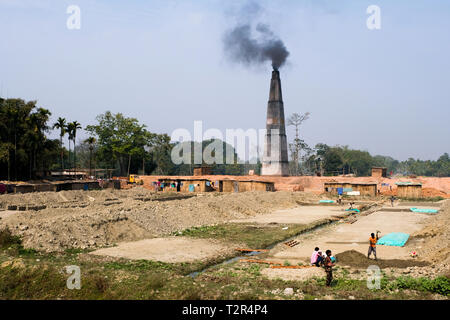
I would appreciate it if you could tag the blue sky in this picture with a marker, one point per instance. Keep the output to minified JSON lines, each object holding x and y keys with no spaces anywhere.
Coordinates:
{"x":385,"y":91}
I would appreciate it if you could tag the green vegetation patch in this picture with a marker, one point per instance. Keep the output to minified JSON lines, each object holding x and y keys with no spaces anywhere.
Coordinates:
{"x":253,"y":236}
{"x":440,"y":285}
{"x":7,"y":239}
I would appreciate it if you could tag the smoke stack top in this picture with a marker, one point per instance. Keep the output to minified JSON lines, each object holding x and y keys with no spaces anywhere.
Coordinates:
{"x":243,"y":46}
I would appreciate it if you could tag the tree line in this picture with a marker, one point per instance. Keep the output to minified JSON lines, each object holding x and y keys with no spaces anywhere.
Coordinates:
{"x":125,"y":146}
{"x":338,"y":160}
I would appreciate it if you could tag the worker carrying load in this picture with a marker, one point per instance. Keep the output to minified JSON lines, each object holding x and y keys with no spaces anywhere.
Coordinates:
{"x":328,"y":265}
{"x":373,"y":245}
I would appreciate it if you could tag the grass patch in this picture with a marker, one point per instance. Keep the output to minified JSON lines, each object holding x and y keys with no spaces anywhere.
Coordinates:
{"x":253,"y":236}
{"x":440,"y":285}
{"x":139,"y":265}
{"x":7,"y":239}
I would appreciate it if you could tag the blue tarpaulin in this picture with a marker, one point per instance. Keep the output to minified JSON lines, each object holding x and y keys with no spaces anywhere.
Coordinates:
{"x":340,"y":190}
{"x":356,"y":210}
{"x":424,"y":210}
{"x":397,"y":239}
{"x":326,"y":201}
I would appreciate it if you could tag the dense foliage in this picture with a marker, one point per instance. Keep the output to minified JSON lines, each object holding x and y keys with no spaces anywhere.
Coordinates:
{"x":343,"y":160}
{"x":25,"y":150}
{"x":126,"y":147}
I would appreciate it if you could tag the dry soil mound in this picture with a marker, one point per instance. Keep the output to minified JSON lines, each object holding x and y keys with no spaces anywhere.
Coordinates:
{"x":356,"y":259}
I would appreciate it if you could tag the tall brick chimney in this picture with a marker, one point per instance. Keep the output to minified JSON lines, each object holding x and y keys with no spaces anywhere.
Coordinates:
{"x":275,"y":159}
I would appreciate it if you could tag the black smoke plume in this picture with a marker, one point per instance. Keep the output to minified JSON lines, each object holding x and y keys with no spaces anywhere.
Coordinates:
{"x":243,"y":47}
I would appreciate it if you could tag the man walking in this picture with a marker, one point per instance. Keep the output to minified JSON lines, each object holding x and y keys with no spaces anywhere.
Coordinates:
{"x":373,"y":245}
{"x":392,"y":200}
{"x":328,"y":264}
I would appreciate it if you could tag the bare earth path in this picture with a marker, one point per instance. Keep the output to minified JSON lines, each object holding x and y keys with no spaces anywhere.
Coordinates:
{"x":171,"y":250}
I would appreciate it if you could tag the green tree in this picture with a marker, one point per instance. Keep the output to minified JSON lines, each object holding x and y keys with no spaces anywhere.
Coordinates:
{"x":124,"y":141}
{"x":23,"y":143}
{"x":91,"y":142}
{"x":61,"y":125}
{"x":74,"y":126}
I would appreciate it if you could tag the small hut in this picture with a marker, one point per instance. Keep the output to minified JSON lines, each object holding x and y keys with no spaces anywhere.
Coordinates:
{"x":379,"y":172}
{"x":243,"y":186}
{"x":186,"y":185}
{"x":409,"y":190}
{"x":364,"y":189}
{"x":202,"y":171}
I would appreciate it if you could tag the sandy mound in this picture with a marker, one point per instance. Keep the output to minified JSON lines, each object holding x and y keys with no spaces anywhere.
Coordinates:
{"x":435,"y":238}
{"x":358,"y":260}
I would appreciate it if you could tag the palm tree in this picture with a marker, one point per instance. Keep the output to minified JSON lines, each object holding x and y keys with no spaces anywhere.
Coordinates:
{"x":69,"y":129}
{"x":61,"y":125}
{"x":91,"y":141}
{"x":74,"y":126}
{"x":36,"y":132}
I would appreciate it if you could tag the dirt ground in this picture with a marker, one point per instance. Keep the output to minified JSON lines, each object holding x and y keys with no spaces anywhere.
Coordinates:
{"x":293,"y":274}
{"x":432,"y":241}
{"x":142,"y":227}
{"x":349,"y":243}
{"x":300,"y":215}
{"x":171,"y":250}
{"x":355,"y":236}
{"x":93,"y":219}
{"x":181,"y":250}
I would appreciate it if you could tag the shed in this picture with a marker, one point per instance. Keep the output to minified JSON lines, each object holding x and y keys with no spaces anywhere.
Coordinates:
{"x":365,"y":189}
{"x":44,"y":187}
{"x":202,"y":171}
{"x":409,"y":190}
{"x":243,"y":186}
{"x":379,"y":172}
{"x":23,"y":188}
{"x":186,"y":185}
